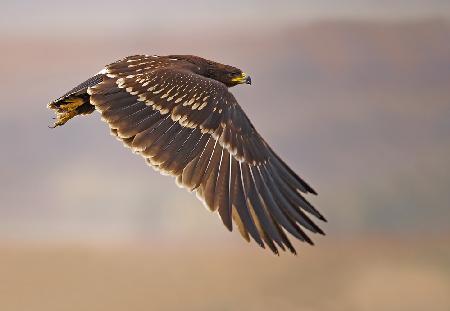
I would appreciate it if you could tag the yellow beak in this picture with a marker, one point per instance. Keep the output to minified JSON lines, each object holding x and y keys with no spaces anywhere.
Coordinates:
{"x":243,"y":78}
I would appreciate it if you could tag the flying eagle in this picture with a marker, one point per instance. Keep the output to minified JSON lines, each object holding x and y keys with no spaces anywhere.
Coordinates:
{"x":177,"y":112}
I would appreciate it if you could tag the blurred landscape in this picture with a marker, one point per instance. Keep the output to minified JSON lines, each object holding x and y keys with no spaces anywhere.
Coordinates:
{"x":360,"y":107}
{"x":373,"y":274}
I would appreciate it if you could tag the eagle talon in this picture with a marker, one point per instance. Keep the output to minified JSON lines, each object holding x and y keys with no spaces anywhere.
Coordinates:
{"x":62,"y":117}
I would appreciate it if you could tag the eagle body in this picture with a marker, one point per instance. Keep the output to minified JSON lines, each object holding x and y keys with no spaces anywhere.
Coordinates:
{"x":177,"y":112}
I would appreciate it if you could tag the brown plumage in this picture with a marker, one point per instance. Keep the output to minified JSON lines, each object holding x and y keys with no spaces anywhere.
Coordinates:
{"x":176,"y":111}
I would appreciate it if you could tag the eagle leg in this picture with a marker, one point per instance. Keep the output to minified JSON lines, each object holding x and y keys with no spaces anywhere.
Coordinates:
{"x":68,"y":108}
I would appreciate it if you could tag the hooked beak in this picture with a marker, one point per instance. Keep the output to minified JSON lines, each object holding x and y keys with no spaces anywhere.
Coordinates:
{"x":243,"y":78}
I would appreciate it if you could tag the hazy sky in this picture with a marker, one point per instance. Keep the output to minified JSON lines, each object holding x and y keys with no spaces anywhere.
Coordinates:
{"x":365,"y":111}
{"x":86,"y":16}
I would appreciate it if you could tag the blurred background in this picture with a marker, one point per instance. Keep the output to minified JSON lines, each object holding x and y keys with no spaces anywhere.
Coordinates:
{"x":354,"y":95}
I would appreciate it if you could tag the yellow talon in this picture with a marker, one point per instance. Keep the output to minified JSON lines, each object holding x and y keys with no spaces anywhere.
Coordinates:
{"x":62,"y":118}
{"x":65,"y":110}
{"x":71,"y":104}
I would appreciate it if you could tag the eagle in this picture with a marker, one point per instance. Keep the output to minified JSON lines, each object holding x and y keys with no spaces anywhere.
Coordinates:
{"x":177,"y":112}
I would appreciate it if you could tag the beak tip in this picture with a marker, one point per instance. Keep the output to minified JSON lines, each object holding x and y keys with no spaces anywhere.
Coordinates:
{"x":248,"y":80}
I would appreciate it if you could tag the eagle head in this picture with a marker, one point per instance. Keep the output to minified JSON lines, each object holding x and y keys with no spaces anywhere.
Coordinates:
{"x":228,"y":75}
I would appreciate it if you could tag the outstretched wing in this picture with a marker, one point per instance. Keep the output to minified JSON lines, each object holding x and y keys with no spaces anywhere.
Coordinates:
{"x":192,"y":127}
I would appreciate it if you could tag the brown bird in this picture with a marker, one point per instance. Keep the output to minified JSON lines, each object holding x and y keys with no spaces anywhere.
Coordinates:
{"x":177,"y":112}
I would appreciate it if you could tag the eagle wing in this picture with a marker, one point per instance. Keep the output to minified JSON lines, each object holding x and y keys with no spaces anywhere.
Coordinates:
{"x":191,"y":127}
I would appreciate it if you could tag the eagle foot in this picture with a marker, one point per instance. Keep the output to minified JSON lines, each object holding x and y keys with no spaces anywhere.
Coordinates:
{"x":63,"y":117}
{"x":65,"y":110}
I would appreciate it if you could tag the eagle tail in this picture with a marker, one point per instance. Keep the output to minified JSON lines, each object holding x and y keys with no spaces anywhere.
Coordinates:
{"x":75,"y":102}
